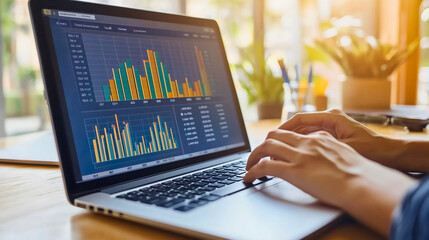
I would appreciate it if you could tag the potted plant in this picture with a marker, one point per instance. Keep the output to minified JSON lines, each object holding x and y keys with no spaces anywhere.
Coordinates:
{"x":262,"y":87}
{"x":366,"y":62}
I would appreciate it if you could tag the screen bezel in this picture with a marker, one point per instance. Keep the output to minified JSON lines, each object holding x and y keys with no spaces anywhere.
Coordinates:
{"x":57,"y":103}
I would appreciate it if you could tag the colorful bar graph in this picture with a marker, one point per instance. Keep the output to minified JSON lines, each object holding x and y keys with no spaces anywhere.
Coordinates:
{"x":118,"y":141}
{"x":129,"y":84}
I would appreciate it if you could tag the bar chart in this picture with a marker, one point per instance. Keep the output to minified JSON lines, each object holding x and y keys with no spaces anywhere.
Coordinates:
{"x":128,"y":84}
{"x":113,"y":138}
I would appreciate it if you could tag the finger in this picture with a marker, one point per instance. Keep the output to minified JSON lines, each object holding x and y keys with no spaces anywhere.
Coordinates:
{"x":266,"y":168}
{"x":306,"y":130}
{"x":284,"y":136}
{"x":272,"y":148}
{"x":323,"y":120}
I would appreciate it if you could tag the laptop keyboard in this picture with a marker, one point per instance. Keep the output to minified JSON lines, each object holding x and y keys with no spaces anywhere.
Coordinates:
{"x":194,"y":190}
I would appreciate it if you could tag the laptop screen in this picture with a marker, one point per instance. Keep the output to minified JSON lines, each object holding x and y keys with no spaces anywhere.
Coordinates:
{"x":142,"y":93}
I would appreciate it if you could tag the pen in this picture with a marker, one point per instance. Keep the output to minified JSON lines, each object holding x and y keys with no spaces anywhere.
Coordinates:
{"x":284,"y":71}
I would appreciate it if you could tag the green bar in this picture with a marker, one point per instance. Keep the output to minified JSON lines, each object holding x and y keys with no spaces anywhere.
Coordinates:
{"x":161,"y":77}
{"x":203,"y":91}
{"x":139,"y":83}
{"x":126,"y":146}
{"x":125,"y":81}
{"x":106,"y":90}
{"x":179,"y":86}
{"x":110,"y":147}
{"x":119,"y":85}
{"x":150,"y":80}
{"x":167,"y":80}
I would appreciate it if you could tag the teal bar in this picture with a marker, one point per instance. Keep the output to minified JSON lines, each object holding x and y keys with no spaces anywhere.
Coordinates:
{"x":139,"y":83}
{"x":125,"y":81}
{"x":161,"y":77}
{"x":119,"y":85}
{"x":126,"y":146}
{"x":111,"y":147}
{"x":203,"y":91}
{"x":179,"y":86}
{"x":167,"y":79}
{"x":150,"y":80}
{"x":106,"y":90}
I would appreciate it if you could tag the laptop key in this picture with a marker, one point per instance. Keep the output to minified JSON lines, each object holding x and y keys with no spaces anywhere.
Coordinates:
{"x":197,"y":203}
{"x":171,"y":203}
{"x":209,"y":197}
{"x":235,"y":179}
{"x":233,"y":188}
{"x":121,"y":196}
{"x":216,"y":185}
{"x":226,"y":182}
{"x":184,"y":208}
{"x":207,"y":189}
{"x":209,"y":180}
{"x":132,"y":197}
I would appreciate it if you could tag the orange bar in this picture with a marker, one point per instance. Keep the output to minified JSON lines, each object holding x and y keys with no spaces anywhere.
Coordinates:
{"x":156,"y":136}
{"x":113,"y":90}
{"x":189,"y":90}
{"x":153,"y":140}
{"x":120,"y":137}
{"x":107,"y":142}
{"x":172,"y":138}
{"x":160,"y":133}
{"x":117,"y":143}
{"x":203,"y":71}
{"x":162,"y":140}
{"x":113,"y":146}
{"x":171,"y":86}
{"x":95,"y":150}
{"x":99,"y":143}
{"x":131,"y":82}
{"x":145,"y":86}
{"x":165,"y":141}
{"x":168,"y":135}
{"x":138,"y":150}
{"x":154,"y":71}
{"x":136,"y":85}
{"x":174,"y":88}
{"x":125,"y":142}
{"x":122,"y":83}
{"x":104,"y":149}
{"x":129,"y":139}
{"x":142,"y":149}
{"x":165,"y":81}
{"x":185,"y":90}
{"x":144,"y":145}
{"x":150,"y":147}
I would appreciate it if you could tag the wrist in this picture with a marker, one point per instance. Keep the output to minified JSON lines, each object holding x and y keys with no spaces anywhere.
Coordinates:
{"x":372,"y":195}
{"x":409,"y":155}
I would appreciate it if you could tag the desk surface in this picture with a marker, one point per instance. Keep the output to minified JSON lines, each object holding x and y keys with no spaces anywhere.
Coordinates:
{"x":33,"y":204}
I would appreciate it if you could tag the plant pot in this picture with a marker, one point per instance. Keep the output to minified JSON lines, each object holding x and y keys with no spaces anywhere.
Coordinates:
{"x":366,"y":93}
{"x":270,"y":110}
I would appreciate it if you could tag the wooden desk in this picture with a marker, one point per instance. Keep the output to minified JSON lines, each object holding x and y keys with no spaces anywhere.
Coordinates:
{"x":33,"y":204}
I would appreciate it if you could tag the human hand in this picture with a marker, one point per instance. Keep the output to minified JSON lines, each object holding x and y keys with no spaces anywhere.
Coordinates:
{"x":332,"y":172}
{"x":316,"y":163}
{"x":366,"y":142}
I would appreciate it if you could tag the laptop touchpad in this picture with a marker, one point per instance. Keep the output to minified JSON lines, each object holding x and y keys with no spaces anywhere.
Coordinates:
{"x":284,"y":191}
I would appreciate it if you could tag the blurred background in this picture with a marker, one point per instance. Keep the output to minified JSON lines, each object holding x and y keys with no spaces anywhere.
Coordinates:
{"x":284,"y":27}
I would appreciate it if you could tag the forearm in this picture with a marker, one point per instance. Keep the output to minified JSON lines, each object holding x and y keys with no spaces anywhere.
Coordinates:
{"x":372,"y":196}
{"x":409,"y":155}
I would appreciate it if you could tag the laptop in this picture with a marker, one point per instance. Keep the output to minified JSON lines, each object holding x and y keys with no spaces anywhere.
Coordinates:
{"x":149,"y":129}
